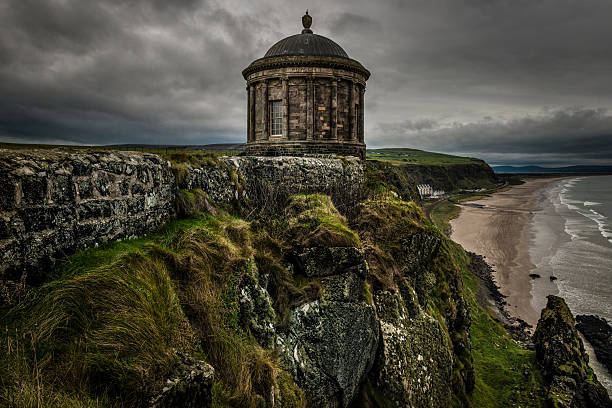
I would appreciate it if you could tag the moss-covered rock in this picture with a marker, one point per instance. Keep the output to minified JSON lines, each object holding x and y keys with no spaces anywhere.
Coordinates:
{"x":414,"y":362}
{"x":564,"y":362}
{"x":313,"y":220}
{"x":190,"y":386}
{"x":326,"y":261}
{"x":330,"y":343}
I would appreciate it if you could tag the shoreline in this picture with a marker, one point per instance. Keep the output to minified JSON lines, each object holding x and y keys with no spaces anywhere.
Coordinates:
{"x":498,"y":228}
{"x":490,"y":297}
{"x":511,"y":237}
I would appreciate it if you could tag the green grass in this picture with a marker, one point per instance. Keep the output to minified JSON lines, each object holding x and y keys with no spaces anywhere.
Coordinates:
{"x":103,"y":332}
{"x":442,"y":214}
{"x":414,"y":156}
{"x":313,"y":220}
{"x":506,"y":374}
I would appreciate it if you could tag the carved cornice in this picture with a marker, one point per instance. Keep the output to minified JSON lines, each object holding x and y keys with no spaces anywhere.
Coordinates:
{"x":306,"y":61}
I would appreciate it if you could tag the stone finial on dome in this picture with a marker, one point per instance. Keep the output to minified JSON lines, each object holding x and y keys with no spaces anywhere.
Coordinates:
{"x":306,"y":22}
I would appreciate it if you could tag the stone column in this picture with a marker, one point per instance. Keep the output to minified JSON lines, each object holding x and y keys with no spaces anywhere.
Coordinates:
{"x":252,"y":112}
{"x":248,"y":129}
{"x":360,"y":136}
{"x":285,"y":109}
{"x":309,"y":108}
{"x":333,"y":115}
{"x":352,"y":111}
{"x":265,"y":118}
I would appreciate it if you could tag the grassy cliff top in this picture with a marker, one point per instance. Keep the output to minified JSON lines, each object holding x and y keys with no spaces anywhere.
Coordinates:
{"x":420,"y":157}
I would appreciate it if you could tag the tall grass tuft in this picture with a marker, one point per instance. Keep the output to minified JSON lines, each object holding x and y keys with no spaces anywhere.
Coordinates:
{"x":110,"y":331}
{"x":105,"y":332}
{"x":314,"y":221}
{"x":210,"y":263}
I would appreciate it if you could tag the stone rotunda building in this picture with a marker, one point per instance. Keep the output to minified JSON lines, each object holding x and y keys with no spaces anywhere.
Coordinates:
{"x":305,"y":97}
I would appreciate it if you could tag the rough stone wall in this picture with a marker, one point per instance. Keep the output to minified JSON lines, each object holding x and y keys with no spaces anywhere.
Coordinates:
{"x":306,"y":148}
{"x":275,"y":178}
{"x":53,"y":203}
{"x":251,"y":177}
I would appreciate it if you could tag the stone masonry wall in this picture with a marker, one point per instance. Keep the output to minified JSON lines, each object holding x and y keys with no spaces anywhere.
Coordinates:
{"x":53,"y":203}
{"x":255,"y":179}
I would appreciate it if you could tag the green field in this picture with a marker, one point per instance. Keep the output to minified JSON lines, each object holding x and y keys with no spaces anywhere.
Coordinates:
{"x":414,"y":156}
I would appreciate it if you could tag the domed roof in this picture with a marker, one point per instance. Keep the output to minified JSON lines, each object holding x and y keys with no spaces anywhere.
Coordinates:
{"x":306,"y":44}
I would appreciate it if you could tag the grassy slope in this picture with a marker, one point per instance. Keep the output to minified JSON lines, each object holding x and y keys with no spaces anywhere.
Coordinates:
{"x":442,"y":214}
{"x":506,"y":374}
{"x":104,"y":330}
{"x":414,"y":156}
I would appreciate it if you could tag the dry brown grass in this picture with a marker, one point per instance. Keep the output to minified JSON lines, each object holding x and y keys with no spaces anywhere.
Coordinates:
{"x":210,"y":262}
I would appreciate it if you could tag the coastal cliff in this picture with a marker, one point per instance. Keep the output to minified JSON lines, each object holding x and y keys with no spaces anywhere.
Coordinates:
{"x":275,"y":282}
{"x":448,"y":177}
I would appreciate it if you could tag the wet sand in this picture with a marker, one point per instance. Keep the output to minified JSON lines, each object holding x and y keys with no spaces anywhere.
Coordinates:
{"x":499,"y":228}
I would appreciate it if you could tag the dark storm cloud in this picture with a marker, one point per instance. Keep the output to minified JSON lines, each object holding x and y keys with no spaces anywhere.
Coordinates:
{"x":558,"y":137}
{"x":117,"y":71}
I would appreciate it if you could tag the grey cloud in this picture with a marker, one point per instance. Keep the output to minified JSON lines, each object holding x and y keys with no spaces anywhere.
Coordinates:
{"x":567,"y":136}
{"x":113,"y":71}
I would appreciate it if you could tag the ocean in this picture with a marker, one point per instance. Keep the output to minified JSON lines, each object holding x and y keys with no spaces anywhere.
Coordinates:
{"x":572,"y":241}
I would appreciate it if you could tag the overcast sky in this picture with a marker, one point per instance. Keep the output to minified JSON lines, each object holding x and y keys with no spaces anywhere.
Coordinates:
{"x":509,"y":81}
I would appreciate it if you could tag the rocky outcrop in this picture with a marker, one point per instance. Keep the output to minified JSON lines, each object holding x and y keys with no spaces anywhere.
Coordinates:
{"x":269,"y":181}
{"x":257,"y":315}
{"x":190,"y":387}
{"x":599,"y":333}
{"x":413,"y":366}
{"x":564,"y":362}
{"x":330,"y":343}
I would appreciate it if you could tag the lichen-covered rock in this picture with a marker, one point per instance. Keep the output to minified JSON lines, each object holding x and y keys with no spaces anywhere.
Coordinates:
{"x":326,"y":261}
{"x":330,"y":347}
{"x":330,"y":343}
{"x":564,"y":362}
{"x":256,"y":312}
{"x":189,"y":387}
{"x":220,"y":181}
{"x":269,"y":181}
{"x":414,"y":361}
{"x":416,"y":253}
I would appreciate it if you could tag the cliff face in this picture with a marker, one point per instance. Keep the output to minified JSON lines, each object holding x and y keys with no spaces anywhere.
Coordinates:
{"x":448,"y":177}
{"x":297,"y":281}
{"x":564,"y":361}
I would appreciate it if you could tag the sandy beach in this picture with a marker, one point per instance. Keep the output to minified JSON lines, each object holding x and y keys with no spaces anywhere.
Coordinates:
{"x":499,"y":228}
